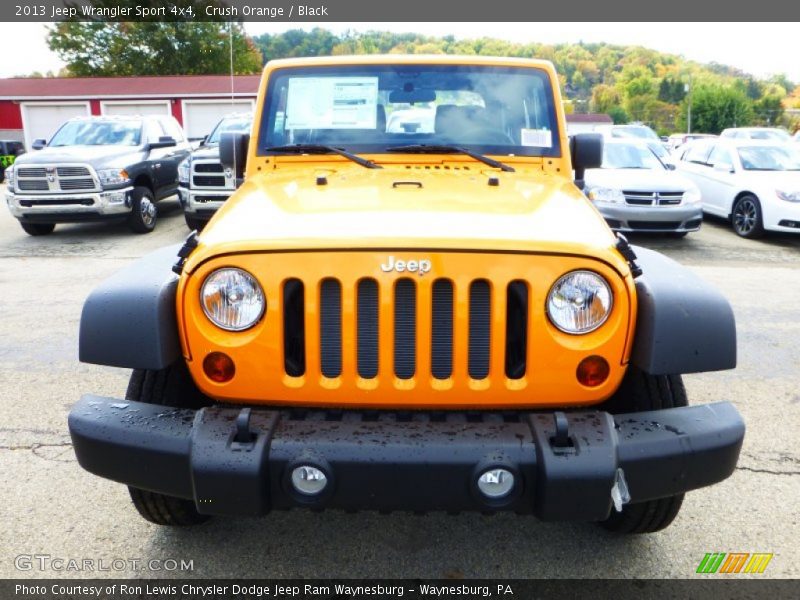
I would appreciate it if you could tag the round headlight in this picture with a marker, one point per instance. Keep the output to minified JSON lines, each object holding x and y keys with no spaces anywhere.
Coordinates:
{"x":579,"y":302}
{"x":232,"y":299}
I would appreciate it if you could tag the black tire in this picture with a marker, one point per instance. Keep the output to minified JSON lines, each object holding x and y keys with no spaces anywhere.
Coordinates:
{"x":38,"y":228}
{"x":640,"y":392}
{"x":194,"y":224}
{"x":172,"y":386}
{"x":746,"y":217}
{"x":144,"y":213}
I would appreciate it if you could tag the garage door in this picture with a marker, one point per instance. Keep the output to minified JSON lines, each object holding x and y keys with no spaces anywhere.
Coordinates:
{"x":199,"y":118}
{"x":43,"y":120}
{"x":135,"y":108}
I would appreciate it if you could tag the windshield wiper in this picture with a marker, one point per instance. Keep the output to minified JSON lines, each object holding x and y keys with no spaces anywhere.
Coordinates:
{"x":322,"y":149}
{"x":444,"y":149}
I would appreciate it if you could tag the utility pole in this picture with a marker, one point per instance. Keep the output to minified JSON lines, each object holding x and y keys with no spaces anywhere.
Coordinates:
{"x":688,"y":89}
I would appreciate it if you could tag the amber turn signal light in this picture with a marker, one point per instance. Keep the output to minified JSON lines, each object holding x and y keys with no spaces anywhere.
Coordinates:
{"x":593,"y":371}
{"x":219,"y":367}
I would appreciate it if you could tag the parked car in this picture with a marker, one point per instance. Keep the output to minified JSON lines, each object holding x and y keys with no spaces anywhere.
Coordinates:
{"x":755,"y":184}
{"x":635,"y":191}
{"x":408,"y":321}
{"x":98,"y":169}
{"x":772,"y":134}
{"x":9,"y":151}
{"x":631,"y":130}
{"x":676,"y":140}
{"x":203,"y":184}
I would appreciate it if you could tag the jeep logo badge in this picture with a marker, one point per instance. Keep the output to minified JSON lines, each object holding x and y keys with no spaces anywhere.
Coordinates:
{"x":412,"y":266}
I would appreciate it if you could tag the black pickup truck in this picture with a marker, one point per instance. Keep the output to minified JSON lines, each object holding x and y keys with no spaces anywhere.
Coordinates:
{"x":97,"y":169}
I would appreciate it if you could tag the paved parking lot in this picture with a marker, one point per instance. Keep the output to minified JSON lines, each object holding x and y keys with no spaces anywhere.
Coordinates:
{"x":52,"y":507}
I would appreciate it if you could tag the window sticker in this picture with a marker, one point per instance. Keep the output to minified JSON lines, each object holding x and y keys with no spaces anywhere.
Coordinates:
{"x":540,"y":138}
{"x":332,"y":103}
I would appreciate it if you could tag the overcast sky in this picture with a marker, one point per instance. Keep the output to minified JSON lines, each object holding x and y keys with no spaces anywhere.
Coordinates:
{"x":761,"y":48}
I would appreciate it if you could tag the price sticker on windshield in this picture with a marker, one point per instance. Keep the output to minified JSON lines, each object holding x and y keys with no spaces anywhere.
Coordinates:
{"x":539,"y":138}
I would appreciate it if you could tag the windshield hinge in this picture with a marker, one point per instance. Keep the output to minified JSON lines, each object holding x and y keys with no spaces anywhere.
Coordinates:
{"x":188,"y":247}
{"x":624,"y":248}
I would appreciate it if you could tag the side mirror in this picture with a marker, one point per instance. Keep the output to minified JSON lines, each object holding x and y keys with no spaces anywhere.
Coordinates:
{"x":233,"y":151}
{"x":39,"y":143}
{"x":586,"y":152}
{"x":164,"y":141}
{"x":723,"y":168}
{"x":670,"y":166}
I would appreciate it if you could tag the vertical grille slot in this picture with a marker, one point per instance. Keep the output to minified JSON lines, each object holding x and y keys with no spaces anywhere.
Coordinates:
{"x":516,"y":329}
{"x":330,"y":328}
{"x":294,"y":328}
{"x":479,"y":328}
{"x":442,"y":329}
{"x":367,"y":328}
{"x":405,"y":328}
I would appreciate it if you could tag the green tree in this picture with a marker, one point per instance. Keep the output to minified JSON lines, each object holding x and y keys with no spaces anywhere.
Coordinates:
{"x":152,"y":47}
{"x":671,"y":90}
{"x":618,"y":115}
{"x":768,"y":110}
{"x":716,"y":107}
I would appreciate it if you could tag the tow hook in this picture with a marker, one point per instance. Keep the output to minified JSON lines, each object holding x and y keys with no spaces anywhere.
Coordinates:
{"x":244,"y":437}
{"x":561,"y":442}
{"x":620,"y":495}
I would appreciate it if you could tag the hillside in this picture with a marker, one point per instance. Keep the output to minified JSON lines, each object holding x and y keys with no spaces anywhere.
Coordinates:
{"x":630,"y":83}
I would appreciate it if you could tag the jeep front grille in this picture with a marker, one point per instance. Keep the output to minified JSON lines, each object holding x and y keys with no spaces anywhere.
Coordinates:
{"x":421,"y":327}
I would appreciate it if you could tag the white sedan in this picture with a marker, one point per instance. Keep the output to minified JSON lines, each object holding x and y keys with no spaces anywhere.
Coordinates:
{"x":754,"y":184}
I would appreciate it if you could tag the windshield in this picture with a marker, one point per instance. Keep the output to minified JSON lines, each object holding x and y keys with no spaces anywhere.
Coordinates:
{"x":770,"y":158}
{"x":369,"y":108}
{"x":98,"y":133}
{"x":772,"y":135}
{"x":629,"y":156}
{"x":632,"y":131}
{"x":229,"y":124}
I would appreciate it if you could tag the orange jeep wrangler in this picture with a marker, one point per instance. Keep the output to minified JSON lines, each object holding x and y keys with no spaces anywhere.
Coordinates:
{"x":408,"y":304}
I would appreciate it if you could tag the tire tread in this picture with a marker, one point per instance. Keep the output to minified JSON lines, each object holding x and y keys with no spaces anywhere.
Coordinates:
{"x":639,"y":392}
{"x":172,"y":384}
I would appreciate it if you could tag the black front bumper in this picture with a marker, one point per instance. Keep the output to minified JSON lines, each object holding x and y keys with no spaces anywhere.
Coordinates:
{"x":406,"y":461}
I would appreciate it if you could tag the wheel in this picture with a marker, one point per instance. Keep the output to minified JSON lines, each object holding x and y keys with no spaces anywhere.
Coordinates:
{"x":172,"y":386}
{"x":143,"y":210}
{"x":746,"y":218}
{"x":194,"y":223}
{"x":641,"y":391}
{"x":38,"y":228}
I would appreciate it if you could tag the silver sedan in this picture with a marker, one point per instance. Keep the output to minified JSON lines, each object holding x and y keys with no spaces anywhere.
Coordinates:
{"x":635,"y":191}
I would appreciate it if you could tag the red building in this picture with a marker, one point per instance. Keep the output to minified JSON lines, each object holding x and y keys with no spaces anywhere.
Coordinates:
{"x":35,"y":108}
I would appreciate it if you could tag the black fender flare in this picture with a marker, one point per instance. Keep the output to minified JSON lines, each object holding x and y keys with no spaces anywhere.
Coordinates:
{"x":129,"y":320}
{"x":683,"y":324}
